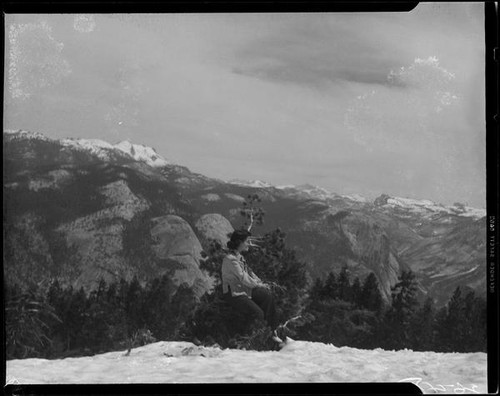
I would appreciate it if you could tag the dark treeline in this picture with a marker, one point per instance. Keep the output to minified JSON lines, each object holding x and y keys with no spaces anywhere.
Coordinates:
{"x":352,"y":313}
{"x":55,"y":322}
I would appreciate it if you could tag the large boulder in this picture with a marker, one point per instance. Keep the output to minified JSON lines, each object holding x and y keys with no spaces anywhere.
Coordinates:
{"x":94,"y":243}
{"x":213,"y":226}
{"x":176,"y":244}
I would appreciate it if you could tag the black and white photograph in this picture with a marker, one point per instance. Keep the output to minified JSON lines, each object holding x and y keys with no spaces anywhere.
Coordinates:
{"x":227,"y":198}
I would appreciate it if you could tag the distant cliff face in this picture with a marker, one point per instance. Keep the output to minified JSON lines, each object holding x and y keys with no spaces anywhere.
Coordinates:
{"x":84,"y":210}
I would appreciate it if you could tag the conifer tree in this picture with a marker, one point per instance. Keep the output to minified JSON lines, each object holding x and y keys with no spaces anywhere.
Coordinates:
{"x":481,"y":325}
{"x":278,"y":265}
{"x":370,"y":294}
{"x":344,"y":285}
{"x":422,"y":327}
{"x":469,"y":314}
{"x":212,"y":262}
{"x":55,"y":297}
{"x":461,"y":325}
{"x":356,"y":290}
{"x":330,"y":289}
{"x":455,"y":321}
{"x":26,"y":327}
{"x":316,"y":291}
{"x":404,"y":294}
{"x":75,"y":317}
{"x":157,"y":307}
{"x":404,"y":305}
{"x":183,"y":302}
{"x":441,"y":331}
{"x":134,"y":307}
{"x":475,"y":333}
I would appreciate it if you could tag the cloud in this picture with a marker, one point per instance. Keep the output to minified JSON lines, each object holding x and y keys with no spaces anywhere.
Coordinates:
{"x":318,"y":52}
{"x":396,"y":120}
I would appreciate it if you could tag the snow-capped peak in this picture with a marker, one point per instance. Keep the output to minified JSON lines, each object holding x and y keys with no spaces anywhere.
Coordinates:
{"x":98,"y":147}
{"x":142,"y":153}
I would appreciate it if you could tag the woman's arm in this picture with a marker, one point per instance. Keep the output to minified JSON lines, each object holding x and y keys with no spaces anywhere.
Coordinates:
{"x":236,"y":269}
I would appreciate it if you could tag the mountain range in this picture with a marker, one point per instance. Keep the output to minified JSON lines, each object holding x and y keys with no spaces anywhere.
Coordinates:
{"x":82,"y":209}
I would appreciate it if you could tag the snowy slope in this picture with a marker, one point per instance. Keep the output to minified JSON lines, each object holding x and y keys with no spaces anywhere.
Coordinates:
{"x":99,"y":148}
{"x":142,"y":153}
{"x":355,"y":198}
{"x":96,"y":147}
{"x":102,"y":149}
{"x":298,"y":361}
{"x":424,"y":207}
{"x":250,"y":183}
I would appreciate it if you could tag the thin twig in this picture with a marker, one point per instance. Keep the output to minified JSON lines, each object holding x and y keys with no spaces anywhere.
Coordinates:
{"x":251,"y":220}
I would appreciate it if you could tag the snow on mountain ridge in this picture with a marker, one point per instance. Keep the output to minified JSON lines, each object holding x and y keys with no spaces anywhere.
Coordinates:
{"x":426,"y":206}
{"x":250,"y":183}
{"x":285,"y":186}
{"x":316,"y":192}
{"x":149,"y":155}
{"x":142,"y":153}
{"x":100,"y":148}
{"x":95,"y":146}
{"x":356,"y":198}
{"x":25,"y":134}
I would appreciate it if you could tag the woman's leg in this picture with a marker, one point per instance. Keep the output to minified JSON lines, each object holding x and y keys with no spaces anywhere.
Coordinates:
{"x":265,"y":300}
{"x":246,"y":306}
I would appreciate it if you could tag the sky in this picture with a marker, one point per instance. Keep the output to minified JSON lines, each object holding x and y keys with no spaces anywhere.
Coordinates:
{"x":357,"y":103}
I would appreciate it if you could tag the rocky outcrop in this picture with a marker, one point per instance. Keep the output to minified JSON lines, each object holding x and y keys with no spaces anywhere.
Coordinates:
{"x":445,"y":262}
{"x":95,"y":241}
{"x":175,"y":243}
{"x":213,"y":226}
{"x":124,"y":202}
{"x":381,"y":200}
{"x":352,"y":239}
{"x":373,"y":250}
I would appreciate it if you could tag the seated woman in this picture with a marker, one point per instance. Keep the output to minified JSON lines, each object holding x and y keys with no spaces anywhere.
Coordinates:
{"x":242,"y":289}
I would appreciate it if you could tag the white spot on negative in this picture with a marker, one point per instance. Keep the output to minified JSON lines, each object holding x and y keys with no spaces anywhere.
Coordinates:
{"x":84,"y":23}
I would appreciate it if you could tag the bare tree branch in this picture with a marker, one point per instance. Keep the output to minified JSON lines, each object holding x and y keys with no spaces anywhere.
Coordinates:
{"x":251,"y":221}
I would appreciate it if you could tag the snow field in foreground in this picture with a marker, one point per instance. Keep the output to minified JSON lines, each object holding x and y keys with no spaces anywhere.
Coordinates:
{"x":298,"y":361}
